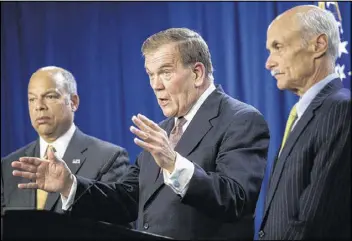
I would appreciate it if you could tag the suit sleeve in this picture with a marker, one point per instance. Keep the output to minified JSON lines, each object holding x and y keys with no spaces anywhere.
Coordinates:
{"x":328,"y":195}
{"x":114,"y":201}
{"x":231,"y":191}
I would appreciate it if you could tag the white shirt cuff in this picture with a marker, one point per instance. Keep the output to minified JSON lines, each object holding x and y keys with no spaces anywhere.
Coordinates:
{"x":179,"y":179}
{"x":67,"y":202}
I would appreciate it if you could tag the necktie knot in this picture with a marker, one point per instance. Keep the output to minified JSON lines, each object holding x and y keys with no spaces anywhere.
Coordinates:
{"x":47,"y":149}
{"x":179,"y":124}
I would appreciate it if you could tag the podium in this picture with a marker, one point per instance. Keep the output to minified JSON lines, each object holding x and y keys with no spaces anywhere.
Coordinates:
{"x":46,"y":225}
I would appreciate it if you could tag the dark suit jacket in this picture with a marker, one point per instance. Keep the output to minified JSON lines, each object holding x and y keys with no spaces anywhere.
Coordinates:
{"x":92,"y":153}
{"x":309,"y":195}
{"x":227,"y":141}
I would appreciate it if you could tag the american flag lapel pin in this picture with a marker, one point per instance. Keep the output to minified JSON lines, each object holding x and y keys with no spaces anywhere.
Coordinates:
{"x":76,"y":161}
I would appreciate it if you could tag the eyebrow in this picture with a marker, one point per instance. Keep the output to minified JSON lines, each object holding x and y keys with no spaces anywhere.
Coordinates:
{"x":273,"y":43}
{"x":49,"y":91}
{"x":167,"y":65}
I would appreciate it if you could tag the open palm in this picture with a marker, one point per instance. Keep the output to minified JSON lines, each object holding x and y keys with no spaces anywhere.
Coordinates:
{"x":52,"y":175}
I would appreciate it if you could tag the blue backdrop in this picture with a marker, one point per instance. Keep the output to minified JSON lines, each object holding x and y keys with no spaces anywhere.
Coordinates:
{"x":99,"y":42}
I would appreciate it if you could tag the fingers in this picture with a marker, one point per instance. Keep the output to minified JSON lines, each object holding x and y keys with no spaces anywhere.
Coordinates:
{"x":149,"y":123}
{"x":28,"y":175}
{"x":141,"y":125}
{"x":147,"y":126}
{"x":51,"y":155}
{"x":29,"y":167}
{"x":31,"y":160}
{"x":30,"y":185}
{"x":141,"y":134}
{"x":151,"y":137}
{"x":145,"y":145}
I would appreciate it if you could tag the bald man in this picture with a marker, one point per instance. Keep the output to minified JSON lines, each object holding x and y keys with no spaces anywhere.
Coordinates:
{"x":309,"y":193}
{"x":52,"y":102}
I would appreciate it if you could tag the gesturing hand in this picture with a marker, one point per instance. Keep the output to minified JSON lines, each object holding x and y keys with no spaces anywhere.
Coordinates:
{"x":52,"y":175}
{"x":153,"y":139}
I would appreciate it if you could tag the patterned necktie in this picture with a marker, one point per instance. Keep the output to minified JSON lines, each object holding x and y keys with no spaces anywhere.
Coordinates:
{"x":42,"y":195}
{"x":291,"y":119}
{"x":176,"y":132}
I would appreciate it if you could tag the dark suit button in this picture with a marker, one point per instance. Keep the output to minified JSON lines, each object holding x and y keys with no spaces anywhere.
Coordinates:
{"x":146,"y":226}
{"x":261,"y":234}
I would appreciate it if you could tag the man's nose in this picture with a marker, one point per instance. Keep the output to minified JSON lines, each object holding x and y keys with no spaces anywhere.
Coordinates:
{"x":157,"y":83}
{"x":270,"y":63}
{"x":40,"y":105}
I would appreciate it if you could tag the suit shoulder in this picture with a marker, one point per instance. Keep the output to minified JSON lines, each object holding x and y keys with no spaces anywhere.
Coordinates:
{"x":239,"y":108}
{"x":237,"y":113}
{"x":17,"y":153}
{"x":339,"y":99}
{"x":341,"y":96}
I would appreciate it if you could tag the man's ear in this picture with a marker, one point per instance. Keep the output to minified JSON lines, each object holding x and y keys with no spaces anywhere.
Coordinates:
{"x":319,"y":45}
{"x":198,"y":74}
{"x":74,"y":102}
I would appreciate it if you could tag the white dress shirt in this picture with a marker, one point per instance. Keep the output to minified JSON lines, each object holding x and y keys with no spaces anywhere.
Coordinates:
{"x":310,"y":94}
{"x":179,"y":179}
{"x":308,"y":97}
{"x":60,"y":144}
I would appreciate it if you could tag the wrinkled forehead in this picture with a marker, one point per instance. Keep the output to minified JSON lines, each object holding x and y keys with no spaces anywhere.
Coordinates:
{"x":164,"y":55}
{"x":285,"y":21}
{"x":282,"y":29}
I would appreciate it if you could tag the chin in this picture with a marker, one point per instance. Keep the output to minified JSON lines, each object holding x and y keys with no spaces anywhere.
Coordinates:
{"x":281,"y":85}
{"x":43,"y":130}
{"x":167,"y":113}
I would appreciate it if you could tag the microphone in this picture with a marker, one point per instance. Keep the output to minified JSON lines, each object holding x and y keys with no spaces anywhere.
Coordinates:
{"x":105,"y":168}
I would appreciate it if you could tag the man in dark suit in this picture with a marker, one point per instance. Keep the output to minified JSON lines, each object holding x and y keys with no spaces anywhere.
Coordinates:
{"x":53,"y":100}
{"x":309,"y":194}
{"x":201,"y":169}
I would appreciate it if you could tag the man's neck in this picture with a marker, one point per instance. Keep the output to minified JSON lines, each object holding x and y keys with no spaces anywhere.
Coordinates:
{"x":321,"y":73}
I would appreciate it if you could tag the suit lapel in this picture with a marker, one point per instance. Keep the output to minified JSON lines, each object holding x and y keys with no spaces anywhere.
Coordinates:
{"x":200,"y":124}
{"x":197,"y":129}
{"x":32,"y":151}
{"x":295,"y":134}
{"x":74,"y":158}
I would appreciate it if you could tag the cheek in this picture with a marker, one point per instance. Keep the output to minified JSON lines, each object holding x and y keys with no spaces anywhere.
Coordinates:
{"x":179,"y":95}
{"x":58,"y":111}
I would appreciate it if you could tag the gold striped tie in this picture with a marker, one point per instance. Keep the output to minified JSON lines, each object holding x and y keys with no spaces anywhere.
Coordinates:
{"x":291,"y":119}
{"x":42,"y":195}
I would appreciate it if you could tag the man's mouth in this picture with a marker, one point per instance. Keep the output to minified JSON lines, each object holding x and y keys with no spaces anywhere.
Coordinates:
{"x":163,"y":101}
{"x":43,"y":119}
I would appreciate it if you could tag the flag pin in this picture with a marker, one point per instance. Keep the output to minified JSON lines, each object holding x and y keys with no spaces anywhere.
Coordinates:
{"x":76,"y":161}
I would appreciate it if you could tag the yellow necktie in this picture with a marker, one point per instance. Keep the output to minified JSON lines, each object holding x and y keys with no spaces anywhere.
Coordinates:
{"x":42,"y":195}
{"x":291,"y":119}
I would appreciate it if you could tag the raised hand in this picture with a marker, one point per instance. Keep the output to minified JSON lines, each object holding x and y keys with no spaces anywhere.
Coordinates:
{"x":153,"y":139}
{"x":52,"y":175}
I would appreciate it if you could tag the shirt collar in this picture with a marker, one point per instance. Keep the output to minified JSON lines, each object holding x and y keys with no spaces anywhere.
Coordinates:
{"x":310,"y":94}
{"x":60,"y":144}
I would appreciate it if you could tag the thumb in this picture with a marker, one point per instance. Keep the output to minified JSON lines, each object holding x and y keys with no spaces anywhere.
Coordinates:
{"x":52,"y":155}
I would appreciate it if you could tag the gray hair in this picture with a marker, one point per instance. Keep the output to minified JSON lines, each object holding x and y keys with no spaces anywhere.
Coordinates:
{"x":68,"y":80}
{"x":319,"y":21}
{"x":191,"y":47}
